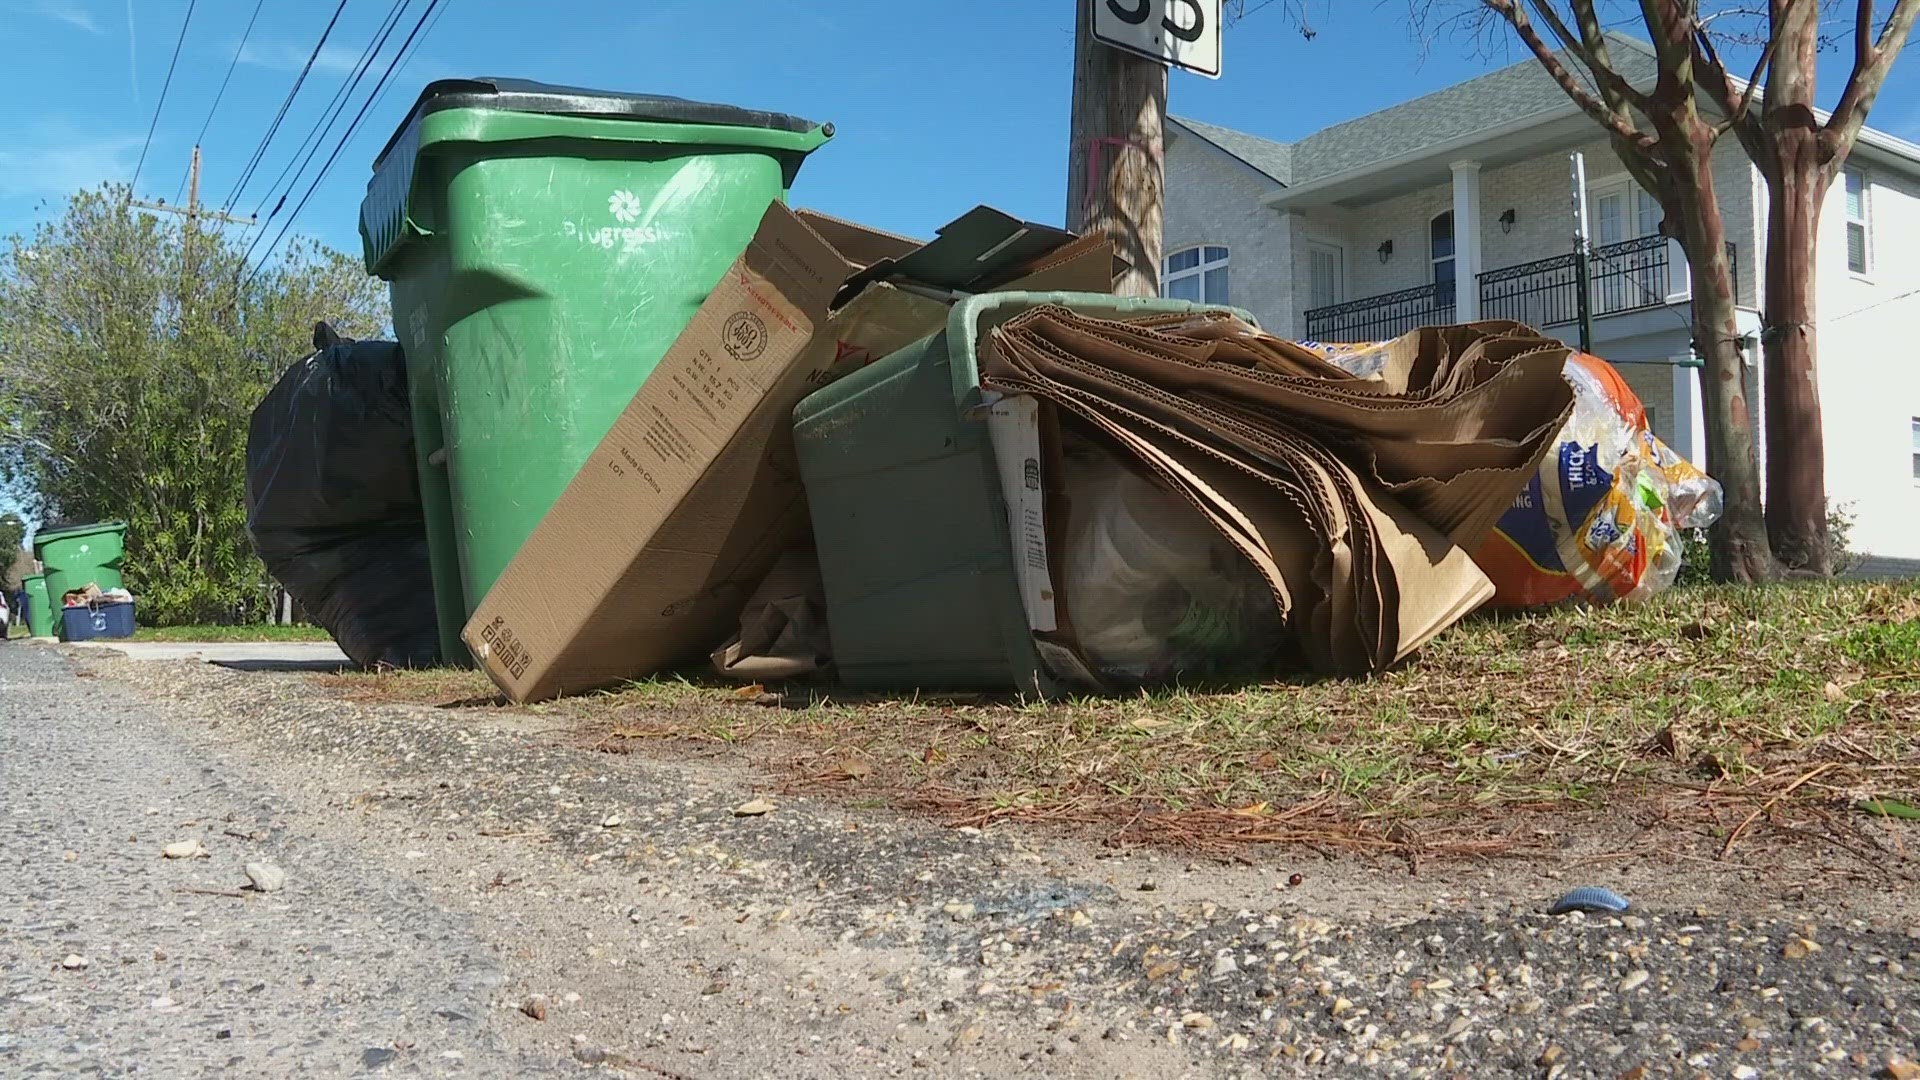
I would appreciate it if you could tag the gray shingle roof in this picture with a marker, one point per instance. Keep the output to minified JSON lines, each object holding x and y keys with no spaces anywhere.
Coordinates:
{"x":1479,"y":104}
{"x":1498,"y":97}
{"x":1275,"y":159}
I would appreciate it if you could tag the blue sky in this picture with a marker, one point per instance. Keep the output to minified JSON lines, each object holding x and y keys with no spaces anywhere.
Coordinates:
{"x":939,"y":104}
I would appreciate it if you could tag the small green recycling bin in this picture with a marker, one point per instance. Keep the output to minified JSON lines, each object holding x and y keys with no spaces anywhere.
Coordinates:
{"x":40,"y":610}
{"x":82,"y":554}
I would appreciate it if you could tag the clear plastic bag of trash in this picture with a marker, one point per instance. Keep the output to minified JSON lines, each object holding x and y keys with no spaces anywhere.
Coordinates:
{"x":1152,"y":592}
{"x":1602,"y":520}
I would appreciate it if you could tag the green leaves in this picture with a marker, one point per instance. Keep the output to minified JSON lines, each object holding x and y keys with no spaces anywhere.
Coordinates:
{"x":132,"y":353}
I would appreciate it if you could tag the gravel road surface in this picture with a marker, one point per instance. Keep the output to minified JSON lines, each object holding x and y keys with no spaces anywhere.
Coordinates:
{"x":473,"y":893}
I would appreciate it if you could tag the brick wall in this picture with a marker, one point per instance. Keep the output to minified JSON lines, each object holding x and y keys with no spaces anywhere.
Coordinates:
{"x":1404,"y":221}
{"x":1215,"y":198}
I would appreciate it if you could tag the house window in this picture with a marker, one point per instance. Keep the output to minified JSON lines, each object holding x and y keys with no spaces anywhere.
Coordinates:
{"x":1614,"y":222}
{"x":1916,"y":447}
{"x":1636,"y":276}
{"x":1856,"y":221}
{"x":1196,"y":273}
{"x":1326,"y":275}
{"x":1440,"y":237}
{"x":1647,"y":209}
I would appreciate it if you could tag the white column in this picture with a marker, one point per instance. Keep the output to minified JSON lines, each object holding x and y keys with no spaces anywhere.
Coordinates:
{"x":1291,"y":315}
{"x":1689,"y":416}
{"x":1756,"y":400}
{"x":1466,"y":239}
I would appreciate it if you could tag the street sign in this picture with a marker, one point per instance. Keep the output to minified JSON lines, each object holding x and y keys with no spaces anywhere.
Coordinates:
{"x":1180,"y":33}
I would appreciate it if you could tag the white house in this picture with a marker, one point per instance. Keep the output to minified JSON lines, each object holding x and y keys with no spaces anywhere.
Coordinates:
{"x":1459,"y":205}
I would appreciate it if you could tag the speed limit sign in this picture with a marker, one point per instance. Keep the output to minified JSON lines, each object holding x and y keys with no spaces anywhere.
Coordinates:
{"x":1180,"y":33}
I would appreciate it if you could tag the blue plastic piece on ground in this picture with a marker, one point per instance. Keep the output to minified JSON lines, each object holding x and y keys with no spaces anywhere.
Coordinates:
{"x":1593,"y":901}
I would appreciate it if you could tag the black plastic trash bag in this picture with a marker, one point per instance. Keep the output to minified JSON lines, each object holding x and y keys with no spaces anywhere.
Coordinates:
{"x":333,"y":501}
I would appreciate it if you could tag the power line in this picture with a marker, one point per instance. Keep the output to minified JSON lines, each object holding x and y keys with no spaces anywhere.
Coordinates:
{"x":158,"y":105}
{"x":343,"y":96}
{"x":1910,"y":293}
{"x":353,"y":126}
{"x":316,"y":135}
{"x":409,"y":57}
{"x":1769,"y":332}
{"x":222,"y":92}
{"x":246,"y":173}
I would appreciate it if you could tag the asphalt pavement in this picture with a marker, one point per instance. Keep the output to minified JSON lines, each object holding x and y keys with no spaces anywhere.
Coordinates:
{"x":481,"y":893}
{"x":117,"y":960}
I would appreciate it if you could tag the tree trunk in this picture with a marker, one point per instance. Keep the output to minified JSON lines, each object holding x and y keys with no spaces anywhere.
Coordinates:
{"x":1792,"y":159}
{"x":1796,"y":438}
{"x":1739,"y":539}
{"x":1116,"y":167}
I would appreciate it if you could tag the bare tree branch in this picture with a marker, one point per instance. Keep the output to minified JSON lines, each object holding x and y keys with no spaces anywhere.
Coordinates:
{"x":1711,"y":72}
{"x":1669,"y":23}
{"x":1294,"y":11}
{"x":1871,"y":64}
{"x":1619,"y":124}
{"x":1753,"y":80}
{"x":1595,"y":39}
{"x":1591,"y":50}
{"x":1863,"y":34}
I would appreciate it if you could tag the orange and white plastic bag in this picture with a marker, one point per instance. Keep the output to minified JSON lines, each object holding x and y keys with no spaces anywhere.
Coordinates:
{"x":1602,"y":519}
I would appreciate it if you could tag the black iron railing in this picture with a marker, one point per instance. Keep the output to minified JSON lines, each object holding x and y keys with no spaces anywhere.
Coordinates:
{"x":1544,"y":292}
{"x":1631,"y":276}
{"x":1380,"y":317}
{"x":1634,"y":275}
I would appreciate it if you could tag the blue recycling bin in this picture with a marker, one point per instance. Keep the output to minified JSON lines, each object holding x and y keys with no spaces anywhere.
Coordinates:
{"x":87,"y":622}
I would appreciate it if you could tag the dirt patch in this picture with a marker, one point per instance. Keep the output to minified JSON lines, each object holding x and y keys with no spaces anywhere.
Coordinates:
{"x":1717,"y":721}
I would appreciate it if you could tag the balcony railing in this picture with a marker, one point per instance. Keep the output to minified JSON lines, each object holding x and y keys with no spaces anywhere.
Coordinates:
{"x":1649,"y":272}
{"x":1378,"y":318}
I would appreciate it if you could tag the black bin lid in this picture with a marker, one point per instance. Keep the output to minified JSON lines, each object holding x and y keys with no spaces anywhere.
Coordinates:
{"x":522,"y":95}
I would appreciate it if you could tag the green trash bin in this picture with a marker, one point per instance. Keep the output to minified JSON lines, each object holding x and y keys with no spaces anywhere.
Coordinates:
{"x":909,"y":517}
{"x":40,"y":611}
{"x":545,"y":245}
{"x":75,"y":556}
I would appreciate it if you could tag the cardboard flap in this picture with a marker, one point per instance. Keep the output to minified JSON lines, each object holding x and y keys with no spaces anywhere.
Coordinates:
{"x":1076,"y":253}
{"x":859,"y":245}
{"x":796,"y":260}
{"x":979,"y":249}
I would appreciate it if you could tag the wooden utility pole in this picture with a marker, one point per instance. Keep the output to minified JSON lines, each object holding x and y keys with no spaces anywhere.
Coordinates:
{"x":1116,"y":169}
{"x":192,"y":211}
{"x":190,"y":265}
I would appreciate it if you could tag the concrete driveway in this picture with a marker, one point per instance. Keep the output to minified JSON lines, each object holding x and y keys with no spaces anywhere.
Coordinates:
{"x":240,"y":655}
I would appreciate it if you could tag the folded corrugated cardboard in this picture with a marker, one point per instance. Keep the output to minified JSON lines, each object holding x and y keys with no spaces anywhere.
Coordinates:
{"x":1356,"y":498}
{"x":647,"y":559}
{"x":1477,"y":420}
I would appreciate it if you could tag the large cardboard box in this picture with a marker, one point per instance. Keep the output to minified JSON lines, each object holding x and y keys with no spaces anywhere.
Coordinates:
{"x":645,"y":561}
